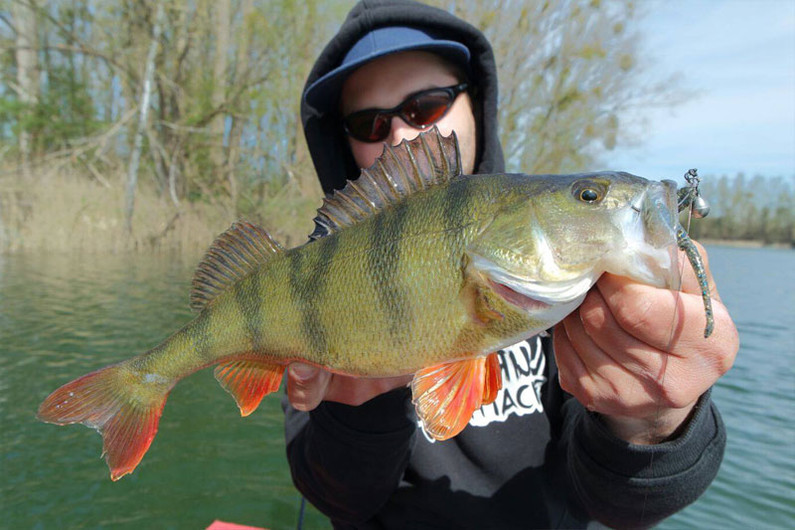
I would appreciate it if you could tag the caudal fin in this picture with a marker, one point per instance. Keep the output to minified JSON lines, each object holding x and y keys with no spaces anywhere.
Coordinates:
{"x":122,"y":405}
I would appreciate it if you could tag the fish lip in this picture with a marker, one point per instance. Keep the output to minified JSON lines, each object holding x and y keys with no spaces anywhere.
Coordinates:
{"x":552,"y":294}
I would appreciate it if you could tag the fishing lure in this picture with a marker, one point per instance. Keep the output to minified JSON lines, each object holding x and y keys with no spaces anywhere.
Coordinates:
{"x":689,"y":197}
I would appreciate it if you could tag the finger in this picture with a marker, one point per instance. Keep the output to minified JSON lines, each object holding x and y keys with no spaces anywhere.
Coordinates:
{"x":625,"y":350}
{"x":669,"y":321}
{"x":610,"y":387}
{"x":572,"y":374}
{"x":306,"y":385}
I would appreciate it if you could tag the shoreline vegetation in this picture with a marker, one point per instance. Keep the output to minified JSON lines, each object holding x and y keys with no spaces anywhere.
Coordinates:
{"x":62,"y":211}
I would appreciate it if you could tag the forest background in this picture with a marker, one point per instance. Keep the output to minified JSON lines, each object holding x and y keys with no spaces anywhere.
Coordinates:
{"x":143,"y":125}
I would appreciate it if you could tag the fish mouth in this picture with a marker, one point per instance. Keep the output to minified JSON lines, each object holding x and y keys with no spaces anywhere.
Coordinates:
{"x":543,"y":292}
{"x":520,"y":300}
{"x":651,"y":224}
{"x":539,"y":305}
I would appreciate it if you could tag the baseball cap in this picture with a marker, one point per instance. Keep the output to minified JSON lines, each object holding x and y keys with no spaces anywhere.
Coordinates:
{"x":323,"y":94}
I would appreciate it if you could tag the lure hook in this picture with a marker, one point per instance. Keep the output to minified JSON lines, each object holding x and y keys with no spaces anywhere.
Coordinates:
{"x":690,"y":196}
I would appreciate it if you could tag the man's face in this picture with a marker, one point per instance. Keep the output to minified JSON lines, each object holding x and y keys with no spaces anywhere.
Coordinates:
{"x":386,"y":82}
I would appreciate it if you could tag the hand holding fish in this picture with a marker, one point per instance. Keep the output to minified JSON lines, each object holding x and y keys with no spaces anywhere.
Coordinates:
{"x":622,"y":355}
{"x":308,"y":385}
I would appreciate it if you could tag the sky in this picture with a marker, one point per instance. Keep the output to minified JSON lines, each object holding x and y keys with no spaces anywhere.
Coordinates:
{"x":738,"y":56}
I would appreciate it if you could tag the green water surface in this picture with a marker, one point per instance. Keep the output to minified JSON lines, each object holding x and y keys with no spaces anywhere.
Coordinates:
{"x":63,"y":316}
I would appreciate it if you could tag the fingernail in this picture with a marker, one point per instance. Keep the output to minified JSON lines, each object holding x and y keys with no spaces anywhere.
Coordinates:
{"x":303,"y":371}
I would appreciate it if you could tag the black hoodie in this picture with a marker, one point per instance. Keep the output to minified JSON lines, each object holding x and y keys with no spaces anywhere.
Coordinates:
{"x":324,"y":134}
{"x":533,"y":459}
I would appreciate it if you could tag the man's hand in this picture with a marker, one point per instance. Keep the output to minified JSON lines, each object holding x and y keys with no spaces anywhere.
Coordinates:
{"x":308,"y":385}
{"x":637,"y":354}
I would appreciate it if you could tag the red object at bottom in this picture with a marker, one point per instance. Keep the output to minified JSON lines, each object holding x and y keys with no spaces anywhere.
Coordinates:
{"x":221,"y":525}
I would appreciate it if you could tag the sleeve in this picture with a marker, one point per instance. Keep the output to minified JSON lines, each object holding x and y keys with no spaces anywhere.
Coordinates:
{"x":347,"y":461}
{"x":629,"y":486}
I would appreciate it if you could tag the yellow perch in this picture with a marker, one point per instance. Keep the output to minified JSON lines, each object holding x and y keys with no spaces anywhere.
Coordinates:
{"x":412,"y":269}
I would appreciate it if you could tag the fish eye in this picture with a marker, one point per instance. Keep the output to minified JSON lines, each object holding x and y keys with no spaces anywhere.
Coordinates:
{"x":589,"y":192}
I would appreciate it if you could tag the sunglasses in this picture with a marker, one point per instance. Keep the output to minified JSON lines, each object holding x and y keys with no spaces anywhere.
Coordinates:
{"x":419,"y":110}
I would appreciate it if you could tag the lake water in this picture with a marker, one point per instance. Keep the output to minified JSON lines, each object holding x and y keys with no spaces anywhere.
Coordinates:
{"x":62,"y":316}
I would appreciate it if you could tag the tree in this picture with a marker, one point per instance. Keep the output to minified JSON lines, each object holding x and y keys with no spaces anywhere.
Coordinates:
{"x":569,"y":73}
{"x":27,"y":86}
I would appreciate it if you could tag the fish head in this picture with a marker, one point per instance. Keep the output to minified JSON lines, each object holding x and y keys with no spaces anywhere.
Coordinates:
{"x":556,"y":235}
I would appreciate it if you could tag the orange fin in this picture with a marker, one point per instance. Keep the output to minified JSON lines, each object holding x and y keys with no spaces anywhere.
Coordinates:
{"x":447,"y":395}
{"x":123,"y":407}
{"x":493,"y":379}
{"x":249,"y":381}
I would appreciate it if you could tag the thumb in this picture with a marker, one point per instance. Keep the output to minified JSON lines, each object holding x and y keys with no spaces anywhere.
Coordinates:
{"x":306,"y":385}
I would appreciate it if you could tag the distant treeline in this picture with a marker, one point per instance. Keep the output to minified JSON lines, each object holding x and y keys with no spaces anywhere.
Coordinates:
{"x":756,"y":209}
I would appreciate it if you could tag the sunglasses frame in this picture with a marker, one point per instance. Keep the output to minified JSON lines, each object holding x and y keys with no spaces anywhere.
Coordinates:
{"x":452,"y":91}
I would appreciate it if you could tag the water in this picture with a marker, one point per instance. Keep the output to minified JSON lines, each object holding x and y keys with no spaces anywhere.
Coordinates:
{"x":755,"y":487}
{"x":62,"y":316}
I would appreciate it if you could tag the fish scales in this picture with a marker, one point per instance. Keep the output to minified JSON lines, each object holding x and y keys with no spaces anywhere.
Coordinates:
{"x":416,"y":269}
{"x":399,"y":309}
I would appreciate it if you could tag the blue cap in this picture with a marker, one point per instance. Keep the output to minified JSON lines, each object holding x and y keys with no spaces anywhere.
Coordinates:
{"x":323,"y":94}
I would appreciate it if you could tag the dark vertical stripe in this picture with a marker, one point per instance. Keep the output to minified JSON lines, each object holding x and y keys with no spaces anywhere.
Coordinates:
{"x":458,"y":205}
{"x":382,"y":265}
{"x":249,"y":301}
{"x":457,"y":212}
{"x":308,"y":289}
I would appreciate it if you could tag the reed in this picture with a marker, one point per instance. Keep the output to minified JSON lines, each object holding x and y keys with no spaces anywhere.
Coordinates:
{"x":60,"y":210}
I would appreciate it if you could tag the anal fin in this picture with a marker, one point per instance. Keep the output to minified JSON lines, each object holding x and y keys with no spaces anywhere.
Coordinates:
{"x":249,"y":381}
{"x":445,"y":396}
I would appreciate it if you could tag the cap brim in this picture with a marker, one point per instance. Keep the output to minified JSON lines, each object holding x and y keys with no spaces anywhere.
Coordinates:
{"x":322,"y":95}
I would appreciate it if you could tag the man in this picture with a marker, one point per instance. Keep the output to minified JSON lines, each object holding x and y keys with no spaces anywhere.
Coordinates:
{"x":631,"y":449}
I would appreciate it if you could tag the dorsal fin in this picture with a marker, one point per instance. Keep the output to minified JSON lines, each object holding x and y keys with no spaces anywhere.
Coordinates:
{"x":412,"y":165}
{"x":233,"y":255}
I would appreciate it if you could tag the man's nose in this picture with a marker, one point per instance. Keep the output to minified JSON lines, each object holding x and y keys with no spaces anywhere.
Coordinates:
{"x":401,"y":130}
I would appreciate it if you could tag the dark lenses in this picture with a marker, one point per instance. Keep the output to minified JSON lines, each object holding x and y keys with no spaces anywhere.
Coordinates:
{"x":426,"y":109}
{"x":368,"y":125}
{"x":419,"y":110}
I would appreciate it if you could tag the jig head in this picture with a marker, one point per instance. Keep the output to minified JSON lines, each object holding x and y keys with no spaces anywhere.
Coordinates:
{"x":690,"y":196}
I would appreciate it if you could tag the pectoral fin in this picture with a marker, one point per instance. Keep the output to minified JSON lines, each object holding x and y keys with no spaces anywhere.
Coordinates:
{"x":477,"y":296}
{"x":249,"y":381}
{"x":447,"y":395}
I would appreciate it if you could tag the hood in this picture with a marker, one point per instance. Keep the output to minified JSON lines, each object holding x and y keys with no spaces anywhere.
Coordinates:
{"x":325,"y":138}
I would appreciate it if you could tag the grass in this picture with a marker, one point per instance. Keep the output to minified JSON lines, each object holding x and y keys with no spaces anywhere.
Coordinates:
{"x":61,"y":210}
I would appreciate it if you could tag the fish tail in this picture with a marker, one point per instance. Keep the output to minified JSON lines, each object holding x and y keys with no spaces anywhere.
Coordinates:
{"x":123,"y":404}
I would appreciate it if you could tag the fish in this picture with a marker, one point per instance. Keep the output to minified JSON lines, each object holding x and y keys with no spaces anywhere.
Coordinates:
{"x":412,"y":268}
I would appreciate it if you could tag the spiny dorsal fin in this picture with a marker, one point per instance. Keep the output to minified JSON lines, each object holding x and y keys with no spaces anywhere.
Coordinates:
{"x":412,"y":165}
{"x":233,"y":255}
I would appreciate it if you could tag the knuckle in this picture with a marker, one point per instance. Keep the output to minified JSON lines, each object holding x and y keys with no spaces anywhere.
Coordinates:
{"x":635,"y":314}
{"x":673,"y":396}
{"x":565,"y":381}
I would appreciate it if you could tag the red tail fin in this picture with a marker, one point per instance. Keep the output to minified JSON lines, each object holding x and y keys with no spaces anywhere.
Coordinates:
{"x":122,"y":405}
